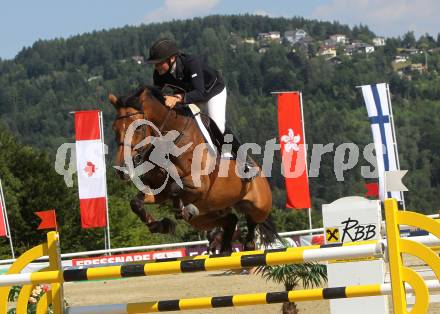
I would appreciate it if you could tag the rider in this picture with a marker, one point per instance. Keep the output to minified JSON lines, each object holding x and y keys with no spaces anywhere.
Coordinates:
{"x":198,"y":82}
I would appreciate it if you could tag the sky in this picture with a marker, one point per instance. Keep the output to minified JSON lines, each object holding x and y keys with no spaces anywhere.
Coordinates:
{"x":22,"y":22}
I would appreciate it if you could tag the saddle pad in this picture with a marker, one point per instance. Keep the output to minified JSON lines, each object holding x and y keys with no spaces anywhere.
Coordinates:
{"x":196,"y":113}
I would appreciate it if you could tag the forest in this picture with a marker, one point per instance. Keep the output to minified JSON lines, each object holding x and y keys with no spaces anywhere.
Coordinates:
{"x":45,"y":82}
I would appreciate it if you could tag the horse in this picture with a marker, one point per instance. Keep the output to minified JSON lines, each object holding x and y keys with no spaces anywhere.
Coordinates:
{"x":213,"y":195}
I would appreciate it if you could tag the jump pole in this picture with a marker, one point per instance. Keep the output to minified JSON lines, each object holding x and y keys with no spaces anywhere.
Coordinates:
{"x":244,"y":299}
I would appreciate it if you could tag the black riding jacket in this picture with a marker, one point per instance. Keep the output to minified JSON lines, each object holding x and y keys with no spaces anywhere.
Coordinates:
{"x":199,"y":81}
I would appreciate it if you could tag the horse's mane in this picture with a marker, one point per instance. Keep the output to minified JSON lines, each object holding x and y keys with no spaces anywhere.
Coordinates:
{"x":133,"y":99}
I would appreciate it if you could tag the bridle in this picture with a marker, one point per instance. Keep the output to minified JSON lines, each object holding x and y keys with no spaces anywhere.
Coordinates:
{"x":143,"y":151}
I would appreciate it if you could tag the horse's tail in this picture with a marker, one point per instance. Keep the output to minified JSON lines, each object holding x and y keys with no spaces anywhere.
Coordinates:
{"x":268,"y":232}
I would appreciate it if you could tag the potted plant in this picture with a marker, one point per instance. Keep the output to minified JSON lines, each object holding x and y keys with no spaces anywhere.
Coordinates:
{"x":308,"y":275}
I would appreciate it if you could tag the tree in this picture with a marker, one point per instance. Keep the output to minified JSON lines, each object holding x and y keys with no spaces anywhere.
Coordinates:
{"x":409,"y":40}
{"x":307,"y":275}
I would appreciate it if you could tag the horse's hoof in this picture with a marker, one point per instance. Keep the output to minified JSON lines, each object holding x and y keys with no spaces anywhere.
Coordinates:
{"x":164,"y":226}
{"x":250,"y":246}
{"x":154,"y":227}
{"x":226,"y":250}
{"x":169,"y":226}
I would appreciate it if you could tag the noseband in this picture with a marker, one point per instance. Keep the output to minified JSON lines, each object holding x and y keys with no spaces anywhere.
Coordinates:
{"x":137,"y":159}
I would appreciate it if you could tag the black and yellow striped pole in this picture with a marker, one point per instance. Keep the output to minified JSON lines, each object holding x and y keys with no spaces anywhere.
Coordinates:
{"x":235,"y":261}
{"x":242,"y":299}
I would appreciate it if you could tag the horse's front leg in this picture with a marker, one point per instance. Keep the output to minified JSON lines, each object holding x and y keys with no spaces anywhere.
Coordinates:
{"x":137,"y":206}
{"x":164,"y":225}
{"x":184,"y":198}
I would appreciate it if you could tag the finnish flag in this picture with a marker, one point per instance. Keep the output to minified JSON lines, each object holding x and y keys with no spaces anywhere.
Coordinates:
{"x":378,"y":107}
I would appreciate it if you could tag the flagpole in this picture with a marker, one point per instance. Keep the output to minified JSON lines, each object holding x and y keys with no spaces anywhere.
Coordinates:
{"x":107,"y":228}
{"x":55,"y":219}
{"x":396,"y":151}
{"x":5,"y":217}
{"x":309,"y":210}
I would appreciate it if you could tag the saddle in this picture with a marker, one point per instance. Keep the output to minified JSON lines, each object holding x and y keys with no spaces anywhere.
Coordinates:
{"x":217,"y":137}
{"x":214,"y":132}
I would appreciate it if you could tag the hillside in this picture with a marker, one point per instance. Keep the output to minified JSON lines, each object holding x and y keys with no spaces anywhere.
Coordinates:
{"x":45,"y":82}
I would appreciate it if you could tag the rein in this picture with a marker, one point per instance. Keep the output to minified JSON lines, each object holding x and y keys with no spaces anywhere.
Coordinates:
{"x":143,"y":151}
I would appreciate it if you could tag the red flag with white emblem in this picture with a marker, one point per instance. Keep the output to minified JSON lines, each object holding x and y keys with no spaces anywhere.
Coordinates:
{"x":90,"y":161}
{"x":293,"y":152}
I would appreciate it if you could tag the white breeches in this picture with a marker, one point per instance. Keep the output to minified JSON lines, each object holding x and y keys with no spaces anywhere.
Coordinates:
{"x":216,"y":108}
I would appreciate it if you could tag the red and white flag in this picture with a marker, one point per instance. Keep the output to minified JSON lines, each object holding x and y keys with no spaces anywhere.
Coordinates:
{"x":293,"y":152}
{"x":91,"y":169}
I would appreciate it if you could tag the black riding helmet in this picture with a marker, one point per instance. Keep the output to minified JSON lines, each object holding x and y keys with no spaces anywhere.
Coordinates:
{"x":162,"y":49}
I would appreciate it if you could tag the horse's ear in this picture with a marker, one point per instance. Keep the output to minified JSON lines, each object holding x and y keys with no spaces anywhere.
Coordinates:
{"x":114,"y":100}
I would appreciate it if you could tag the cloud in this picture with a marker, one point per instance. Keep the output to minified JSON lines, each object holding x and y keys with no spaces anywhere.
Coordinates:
{"x":180,"y":9}
{"x":389,"y":18}
{"x":263,"y":13}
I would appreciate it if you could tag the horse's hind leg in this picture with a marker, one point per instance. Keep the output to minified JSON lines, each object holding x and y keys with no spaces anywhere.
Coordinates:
{"x":228,"y":232}
{"x":249,"y":242}
{"x":210,"y":220}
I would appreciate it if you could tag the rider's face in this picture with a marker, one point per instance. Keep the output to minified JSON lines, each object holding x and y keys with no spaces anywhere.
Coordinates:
{"x":164,"y":66}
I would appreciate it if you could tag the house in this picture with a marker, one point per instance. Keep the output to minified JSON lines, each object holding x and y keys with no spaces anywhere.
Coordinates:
{"x":379,"y":41}
{"x":409,"y":51}
{"x":275,"y":35}
{"x":434,"y":50}
{"x":400,"y":59}
{"x":294,"y":36}
{"x":358,"y":47}
{"x":302,"y":44}
{"x":250,"y":41}
{"x":338,"y":39}
{"x":270,"y":37}
{"x":368,"y":48}
{"x":419,"y":67}
{"x":327,"y":51}
{"x":138,"y":59}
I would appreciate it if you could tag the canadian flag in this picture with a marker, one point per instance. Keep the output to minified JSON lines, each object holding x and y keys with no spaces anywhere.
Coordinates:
{"x":294,"y":163}
{"x":90,"y":162}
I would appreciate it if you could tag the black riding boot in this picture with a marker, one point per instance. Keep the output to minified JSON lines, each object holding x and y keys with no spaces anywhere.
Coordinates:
{"x":250,"y":169}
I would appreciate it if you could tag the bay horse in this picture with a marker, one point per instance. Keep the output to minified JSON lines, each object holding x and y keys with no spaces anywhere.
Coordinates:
{"x":215,"y":196}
